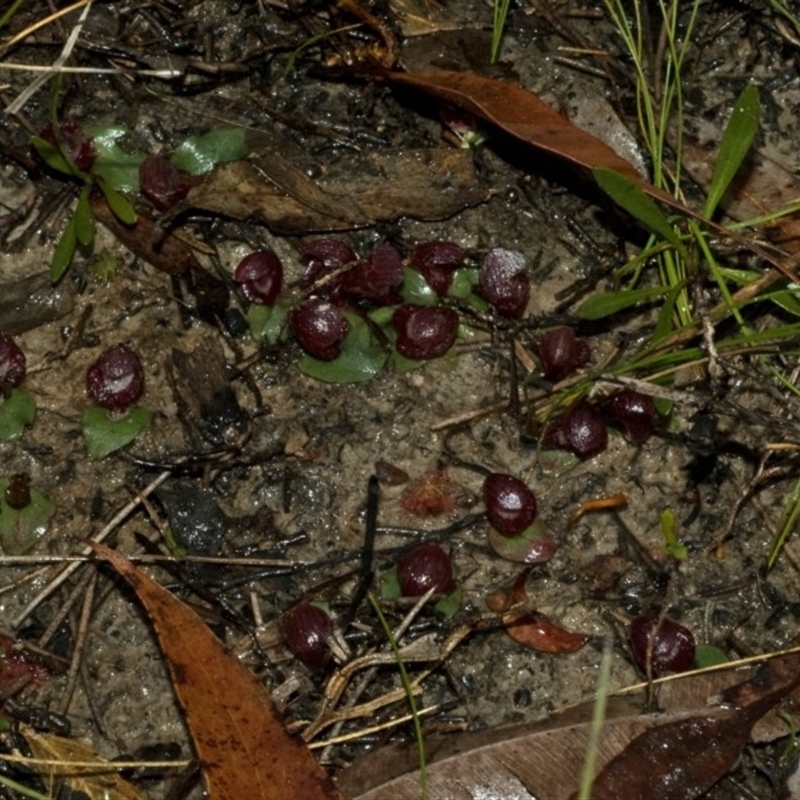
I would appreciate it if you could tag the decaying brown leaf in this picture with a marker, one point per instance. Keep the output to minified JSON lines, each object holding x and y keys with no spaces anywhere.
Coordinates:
{"x":166,"y":253}
{"x":544,"y":760}
{"x":244,"y":749}
{"x":357,"y":190}
{"x":683,"y":759}
{"x":69,"y":760}
{"x":208,"y":407}
{"x":762,"y":187}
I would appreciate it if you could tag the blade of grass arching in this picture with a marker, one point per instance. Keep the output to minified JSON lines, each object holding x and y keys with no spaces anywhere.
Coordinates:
{"x":636,"y":264}
{"x":784,"y":381}
{"x":412,"y":705}
{"x":790,"y":514}
{"x":735,"y":145}
{"x":700,"y":238}
{"x":596,"y":728}
{"x":627,"y":194}
{"x":765,"y":219}
{"x":4,"y":20}
{"x":23,"y":791}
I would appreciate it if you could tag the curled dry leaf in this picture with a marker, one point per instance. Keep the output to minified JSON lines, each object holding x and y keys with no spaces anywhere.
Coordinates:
{"x":536,"y":631}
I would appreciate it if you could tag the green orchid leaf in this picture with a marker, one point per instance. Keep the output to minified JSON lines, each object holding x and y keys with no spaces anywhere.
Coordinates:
{"x":84,"y":219}
{"x":198,"y":154}
{"x":116,"y":166}
{"x":534,"y":545}
{"x":604,"y":304}
{"x":64,"y":251}
{"x":105,"y":434}
{"x":464,"y":282}
{"x":415,"y":289}
{"x":17,"y":412}
{"x":448,"y":605}
{"x":362,"y":357}
{"x":627,"y":194}
{"x":736,"y":143}
{"x":119,"y":205}
{"x":389,"y":586}
{"x":52,"y":156}
{"x":707,"y":655}
{"x":382,"y":317}
{"x":21,"y":528}
{"x":268,"y":323}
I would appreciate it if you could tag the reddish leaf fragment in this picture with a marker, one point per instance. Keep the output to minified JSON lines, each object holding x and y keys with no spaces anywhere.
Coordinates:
{"x":18,"y":670}
{"x":536,"y":631}
{"x":166,"y":253}
{"x":243,"y":747}
{"x":504,"y":599}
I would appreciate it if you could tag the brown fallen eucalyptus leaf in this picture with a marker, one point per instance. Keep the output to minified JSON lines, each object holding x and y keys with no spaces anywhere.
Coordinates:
{"x":542,"y":760}
{"x":524,"y":116}
{"x":244,"y":749}
{"x":519,"y":112}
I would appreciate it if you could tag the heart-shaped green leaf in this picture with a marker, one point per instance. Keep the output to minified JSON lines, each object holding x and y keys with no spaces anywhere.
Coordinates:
{"x":104,"y":434}
{"x":17,"y":412}
{"x":362,"y":356}
{"x":21,"y":528}
{"x":198,"y":154}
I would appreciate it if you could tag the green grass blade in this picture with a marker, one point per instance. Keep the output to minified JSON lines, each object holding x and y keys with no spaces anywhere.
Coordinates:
{"x":736,"y":142}
{"x":598,"y":720}
{"x":406,"y":681}
{"x":626,"y":194}
{"x":604,"y":304}
{"x":790,"y":515}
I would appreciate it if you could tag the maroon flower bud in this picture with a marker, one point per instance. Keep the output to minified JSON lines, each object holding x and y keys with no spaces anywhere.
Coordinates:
{"x":12,"y":364}
{"x":116,"y":380}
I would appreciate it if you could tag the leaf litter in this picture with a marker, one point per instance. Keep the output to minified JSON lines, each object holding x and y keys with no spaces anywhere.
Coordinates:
{"x":550,"y":595}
